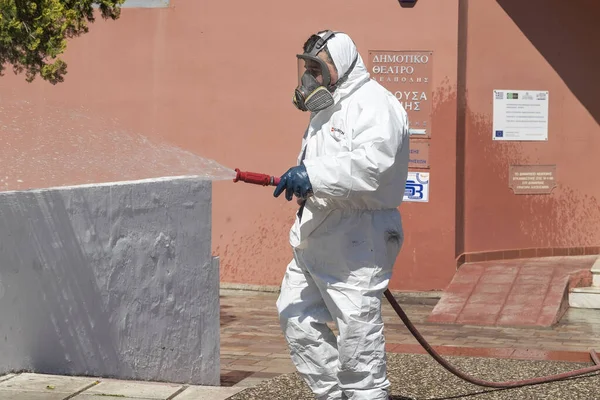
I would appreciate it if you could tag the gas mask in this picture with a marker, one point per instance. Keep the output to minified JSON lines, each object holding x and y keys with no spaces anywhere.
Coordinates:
{"x":315,"y":91}
{"x":310,"y":95}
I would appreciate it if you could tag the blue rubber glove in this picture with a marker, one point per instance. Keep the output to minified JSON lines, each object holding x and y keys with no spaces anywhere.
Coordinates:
{"x":295,"y":182}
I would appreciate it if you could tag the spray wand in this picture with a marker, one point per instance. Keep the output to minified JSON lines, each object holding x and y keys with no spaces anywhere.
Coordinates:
{"x":268,"y":180}
{"x":255,"y":178}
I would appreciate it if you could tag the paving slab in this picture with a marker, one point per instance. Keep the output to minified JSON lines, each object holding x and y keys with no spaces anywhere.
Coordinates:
{"x":207,"y":393}
{"x":84,"y":396}
{"x":6,"y":377}
{"x":133,"y":389}
{"x":6,"y":394}
{"x":419,"y":377}
{"x":29,"y":382}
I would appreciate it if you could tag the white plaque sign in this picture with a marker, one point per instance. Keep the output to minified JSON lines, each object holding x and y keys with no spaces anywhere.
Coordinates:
{"x":520,"y":115}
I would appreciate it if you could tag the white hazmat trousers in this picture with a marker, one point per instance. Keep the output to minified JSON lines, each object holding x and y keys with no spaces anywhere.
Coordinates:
{"x":340,"y":276}
{"x":348,"y":237}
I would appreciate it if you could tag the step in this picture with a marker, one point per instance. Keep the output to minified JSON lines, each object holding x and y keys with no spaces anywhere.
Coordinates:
{"x":585,"y":297}
{"x":596,"y":273}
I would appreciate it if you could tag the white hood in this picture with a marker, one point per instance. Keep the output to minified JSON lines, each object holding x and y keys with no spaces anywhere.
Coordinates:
{"x":343,"y":52}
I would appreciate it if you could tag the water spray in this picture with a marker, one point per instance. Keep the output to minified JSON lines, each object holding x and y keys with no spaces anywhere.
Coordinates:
{"x":269,"y":180}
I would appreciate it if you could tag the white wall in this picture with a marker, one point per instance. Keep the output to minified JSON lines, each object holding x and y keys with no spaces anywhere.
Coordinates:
{"x":145,"y":3}
{"x":113,"y":280}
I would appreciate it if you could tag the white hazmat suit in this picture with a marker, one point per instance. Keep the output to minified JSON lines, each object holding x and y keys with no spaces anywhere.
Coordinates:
{"x":346,"y":241}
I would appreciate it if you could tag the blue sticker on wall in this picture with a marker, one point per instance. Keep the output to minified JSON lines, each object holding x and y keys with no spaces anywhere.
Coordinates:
{"x":417,"y":187}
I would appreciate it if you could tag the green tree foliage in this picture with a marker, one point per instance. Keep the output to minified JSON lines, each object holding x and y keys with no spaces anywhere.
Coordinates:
{"x":34,"y":33}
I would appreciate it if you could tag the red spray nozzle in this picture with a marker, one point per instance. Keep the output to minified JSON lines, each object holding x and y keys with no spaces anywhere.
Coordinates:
{"x":256,"y":178}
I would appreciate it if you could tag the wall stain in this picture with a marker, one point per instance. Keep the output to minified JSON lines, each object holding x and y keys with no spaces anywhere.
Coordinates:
{"x":420,"y":266}
{"x":259,"y":255}
{"x":497,"y":219}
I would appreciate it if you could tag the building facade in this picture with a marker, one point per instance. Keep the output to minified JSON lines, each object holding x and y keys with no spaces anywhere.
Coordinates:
{"x":491,"y":179}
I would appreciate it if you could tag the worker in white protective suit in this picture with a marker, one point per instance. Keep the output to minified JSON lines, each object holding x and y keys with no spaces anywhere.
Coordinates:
{"x":349,"y":181}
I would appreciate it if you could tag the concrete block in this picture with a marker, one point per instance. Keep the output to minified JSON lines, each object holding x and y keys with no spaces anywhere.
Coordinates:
{"x":596,"y":273}
{"x":596,"y":266}
{"x":112,"y":280}
{"x":586,"y":297}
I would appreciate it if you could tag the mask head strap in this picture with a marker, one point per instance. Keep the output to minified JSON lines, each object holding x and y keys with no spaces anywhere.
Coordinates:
{"x":320,"y":43}
{"x":346,"y":75}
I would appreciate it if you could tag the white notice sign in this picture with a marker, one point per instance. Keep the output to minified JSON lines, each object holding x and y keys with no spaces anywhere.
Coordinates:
{"x":520,"y":115}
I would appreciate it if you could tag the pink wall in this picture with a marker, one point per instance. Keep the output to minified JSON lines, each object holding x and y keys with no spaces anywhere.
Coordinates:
{"x":217,"y":80}
{"x":533,"y":45}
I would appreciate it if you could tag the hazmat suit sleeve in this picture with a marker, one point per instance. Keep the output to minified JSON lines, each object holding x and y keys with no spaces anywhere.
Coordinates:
{"x":376,"y":140}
